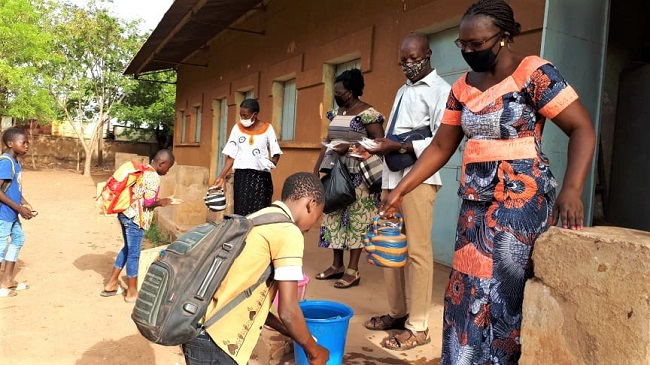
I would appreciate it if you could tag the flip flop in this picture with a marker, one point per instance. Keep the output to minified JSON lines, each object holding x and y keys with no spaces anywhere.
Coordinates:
{"x":110,"y":293}
{"x":19,"y":286}
{"x":6,"y":292}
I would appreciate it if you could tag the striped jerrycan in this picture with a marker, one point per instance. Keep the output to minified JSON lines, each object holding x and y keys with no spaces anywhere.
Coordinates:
{"x":385,"y":244}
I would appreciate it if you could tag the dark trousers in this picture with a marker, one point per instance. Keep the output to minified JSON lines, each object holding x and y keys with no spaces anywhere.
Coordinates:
{"x":203,"y":351}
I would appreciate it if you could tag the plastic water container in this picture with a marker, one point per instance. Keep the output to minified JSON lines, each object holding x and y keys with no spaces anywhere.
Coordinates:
{"x":302,"y":290}
{"x":328,"y":322}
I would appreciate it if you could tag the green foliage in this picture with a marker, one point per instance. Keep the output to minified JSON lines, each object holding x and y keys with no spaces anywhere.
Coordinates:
{"x":24,"y":49}
{"x":66,"y":62}
{"x":91,"y":49}
{"x":149,"y":104}
{"x":155,"y":236}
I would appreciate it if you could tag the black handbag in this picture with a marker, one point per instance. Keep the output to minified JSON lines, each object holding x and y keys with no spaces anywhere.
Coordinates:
{"x":339,"y":188}
{"x":397,"y":161}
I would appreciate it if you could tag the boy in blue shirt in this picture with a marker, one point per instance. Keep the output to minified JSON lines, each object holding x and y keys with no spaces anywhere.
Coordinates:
{"x":12,"y":203}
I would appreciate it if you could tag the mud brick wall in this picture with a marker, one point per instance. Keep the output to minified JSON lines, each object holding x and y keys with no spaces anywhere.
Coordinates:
{"x":63,"y":150}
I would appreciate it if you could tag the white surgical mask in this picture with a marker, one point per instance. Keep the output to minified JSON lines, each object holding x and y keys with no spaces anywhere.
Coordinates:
{"x":247,"y":122}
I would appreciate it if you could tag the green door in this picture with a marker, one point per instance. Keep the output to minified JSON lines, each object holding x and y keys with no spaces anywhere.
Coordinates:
{"x":576,"y":45}
{"x":446,"y":59}
{"x":222,"y":125}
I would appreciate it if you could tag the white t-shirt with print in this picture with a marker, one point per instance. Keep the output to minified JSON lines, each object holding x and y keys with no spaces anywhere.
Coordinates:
{"x":251,"y":151}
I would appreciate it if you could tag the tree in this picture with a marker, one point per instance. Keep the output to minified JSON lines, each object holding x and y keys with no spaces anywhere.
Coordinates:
{"x":150,"y":105}
{"x":91,"y":50}
{"x":24,"y":49}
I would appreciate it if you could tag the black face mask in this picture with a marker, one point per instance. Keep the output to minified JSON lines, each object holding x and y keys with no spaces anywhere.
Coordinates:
{"x":339,"y":101}
{"x":481,"y":61}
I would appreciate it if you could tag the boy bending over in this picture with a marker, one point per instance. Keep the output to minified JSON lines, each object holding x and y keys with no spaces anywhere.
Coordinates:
{"x":232,"y":338}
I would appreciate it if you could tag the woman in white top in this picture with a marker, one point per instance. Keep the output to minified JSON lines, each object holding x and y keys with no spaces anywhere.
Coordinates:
{"x":249,"y":146}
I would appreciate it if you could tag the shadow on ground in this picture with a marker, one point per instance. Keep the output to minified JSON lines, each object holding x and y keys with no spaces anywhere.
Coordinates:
{"x":99,"y":263}
{"x":133,"y":349}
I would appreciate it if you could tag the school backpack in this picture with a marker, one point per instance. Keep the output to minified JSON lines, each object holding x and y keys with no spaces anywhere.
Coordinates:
{"x":178,"y":287}
{"x":115,"y":196}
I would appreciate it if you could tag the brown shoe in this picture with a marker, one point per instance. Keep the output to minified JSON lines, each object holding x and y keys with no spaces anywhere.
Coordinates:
{"x":386,"y":322}
{"x":406,"y":340}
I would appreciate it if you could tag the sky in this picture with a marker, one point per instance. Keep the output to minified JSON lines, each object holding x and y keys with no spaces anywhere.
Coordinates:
{"x":150,"y":11}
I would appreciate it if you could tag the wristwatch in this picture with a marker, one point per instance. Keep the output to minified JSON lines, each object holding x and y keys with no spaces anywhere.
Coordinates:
{"x":403,"y":148}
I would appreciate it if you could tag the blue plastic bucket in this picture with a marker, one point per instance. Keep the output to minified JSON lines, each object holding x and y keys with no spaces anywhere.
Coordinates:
{"x":328,"y":322}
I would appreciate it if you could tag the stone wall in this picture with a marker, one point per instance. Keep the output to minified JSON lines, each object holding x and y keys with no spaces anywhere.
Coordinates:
{"x":190,"y":184}
{"x":589,"y":302}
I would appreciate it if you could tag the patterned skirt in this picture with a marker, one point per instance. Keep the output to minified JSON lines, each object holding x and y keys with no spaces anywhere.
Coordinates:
{"x":484,"y":296}
{"x":345,"y":228}
{"x":253,"y":190}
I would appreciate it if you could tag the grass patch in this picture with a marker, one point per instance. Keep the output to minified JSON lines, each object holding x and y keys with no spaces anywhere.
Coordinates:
{"x":155,"y":237}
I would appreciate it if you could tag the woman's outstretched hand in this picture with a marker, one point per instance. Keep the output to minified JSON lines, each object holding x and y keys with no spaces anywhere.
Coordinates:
{"x":568,"y":209}
{"x":389,"y":203}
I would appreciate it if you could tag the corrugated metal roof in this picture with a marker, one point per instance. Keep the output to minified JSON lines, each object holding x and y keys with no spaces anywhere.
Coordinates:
{"x":187,"y":25}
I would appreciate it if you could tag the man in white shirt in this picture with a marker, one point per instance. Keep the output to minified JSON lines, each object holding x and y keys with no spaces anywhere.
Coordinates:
{"x":419,"y":103}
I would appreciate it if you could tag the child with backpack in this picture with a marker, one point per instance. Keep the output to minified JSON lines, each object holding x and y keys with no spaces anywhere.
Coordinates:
{"x":134,"y":220}
{"x":12,"y":204}
{"x":231,"y":339}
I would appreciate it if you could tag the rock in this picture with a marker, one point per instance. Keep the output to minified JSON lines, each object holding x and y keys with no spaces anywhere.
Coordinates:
{"x":589,"y":302}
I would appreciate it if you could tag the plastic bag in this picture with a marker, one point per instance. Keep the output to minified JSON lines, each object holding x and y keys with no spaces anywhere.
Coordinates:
{"x":339,"y":188}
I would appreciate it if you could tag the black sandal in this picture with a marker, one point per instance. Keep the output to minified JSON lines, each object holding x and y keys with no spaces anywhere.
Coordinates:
{"x":386,"y":322}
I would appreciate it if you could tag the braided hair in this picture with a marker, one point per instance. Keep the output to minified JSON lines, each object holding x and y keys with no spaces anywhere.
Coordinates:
{"x":352,"y":80}
{"x":501,"y":13}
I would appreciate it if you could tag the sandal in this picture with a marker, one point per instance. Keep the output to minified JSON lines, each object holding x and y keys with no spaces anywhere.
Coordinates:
{"x":110,"y":293}
{"x":331,"y":272}
{"x":342,"y":284}
{"x":6,"y":292}
{"x":386,"y":322}
{"x":19,"y":286}
{"x":406,"y":340}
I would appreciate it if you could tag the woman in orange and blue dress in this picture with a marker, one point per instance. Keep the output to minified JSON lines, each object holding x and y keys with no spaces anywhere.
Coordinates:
{"x":507,"y":189}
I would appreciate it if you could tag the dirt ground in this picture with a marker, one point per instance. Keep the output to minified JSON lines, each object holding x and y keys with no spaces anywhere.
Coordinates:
{"x":68,"y":253}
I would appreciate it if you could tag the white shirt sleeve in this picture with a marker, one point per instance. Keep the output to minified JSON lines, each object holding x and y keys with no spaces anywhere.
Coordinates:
{"x":288,"y":273}
{"x":232,"y":146}
{"x":274,"y":147}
